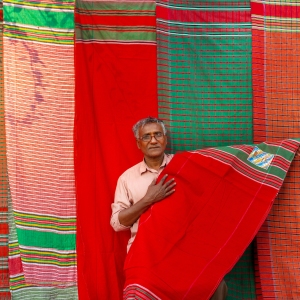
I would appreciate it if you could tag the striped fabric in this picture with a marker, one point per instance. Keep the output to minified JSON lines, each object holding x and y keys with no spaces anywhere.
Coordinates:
{"x":205,"y":88}
{"x":136,"y":291}
{"x":223,"y":195}
{"x":4,"y":274}
{"x":116,"y":85}
{"x":39,"y":111}
{"x":276,"y":94}
{"x":95,"y":25}
{"x":204,"y":72}
{"x":19,"y":287}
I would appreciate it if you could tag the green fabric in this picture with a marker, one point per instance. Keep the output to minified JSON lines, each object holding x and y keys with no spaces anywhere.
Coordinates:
{"x":202,"y":108}
{"x":205,"y":93}
{"x":43,"y":18}
{"x":22,"y":291}
{"x":46,"y":239}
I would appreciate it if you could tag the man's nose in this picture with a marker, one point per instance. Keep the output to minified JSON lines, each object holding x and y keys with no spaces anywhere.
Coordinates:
{"x":153,"y":139}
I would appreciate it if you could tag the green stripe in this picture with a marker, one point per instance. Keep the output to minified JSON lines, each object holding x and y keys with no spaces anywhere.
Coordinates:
{"x":42,"y":261}
{"x":49,"y":253}
{"x":269,"y":149}
{"x":42,"y":40}
{"x":45,"y":218}
{"x":46,"y":36}
{"x":46,"y":226}
{"x":117,"y":6}
{"x":46,"y":239}
{"x":42,"y":18}
{"x":115,"y":35}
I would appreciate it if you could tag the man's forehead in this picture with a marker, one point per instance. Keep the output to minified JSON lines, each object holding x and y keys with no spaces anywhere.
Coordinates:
{"x":150,"y":127}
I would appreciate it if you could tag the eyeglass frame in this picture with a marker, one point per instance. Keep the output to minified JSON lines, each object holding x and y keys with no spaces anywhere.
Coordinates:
{"x":151,"y":136}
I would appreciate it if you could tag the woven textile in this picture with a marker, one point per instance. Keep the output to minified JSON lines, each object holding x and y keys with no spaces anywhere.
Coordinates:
{"x":39,"y":111}
{"x":276,"y":95}
{"x":4,"y":274}
{"x":20,"y":289}
{"x":222,"y":197}
{"x":204,"y":72}
{"x":204,"y":87}
{"x":115,"y":66}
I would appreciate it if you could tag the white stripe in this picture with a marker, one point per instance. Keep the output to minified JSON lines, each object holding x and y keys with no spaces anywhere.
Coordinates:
{"x":135,"y":284}
{"x":40,"y":43}
{"x":51,"y":216}
{"x":289,"y":3}
{"x":34,"y":228}
{"x":211,"y":35}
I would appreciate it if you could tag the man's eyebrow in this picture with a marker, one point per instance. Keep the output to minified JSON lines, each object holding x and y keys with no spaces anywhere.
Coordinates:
{"x":153,"y":132}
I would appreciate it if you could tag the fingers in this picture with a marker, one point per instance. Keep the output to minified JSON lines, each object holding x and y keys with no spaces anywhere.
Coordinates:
{"x":163,"y":179}
{"x":169,"y":187}
{"x":170,"y":192}
{"x":171,"y":183}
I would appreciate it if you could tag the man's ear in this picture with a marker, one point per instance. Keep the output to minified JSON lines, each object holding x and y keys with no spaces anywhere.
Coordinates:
{"x":138,"y":144}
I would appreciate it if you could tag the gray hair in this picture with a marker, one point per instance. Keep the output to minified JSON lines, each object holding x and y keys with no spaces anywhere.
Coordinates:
{"x":143,"y":122}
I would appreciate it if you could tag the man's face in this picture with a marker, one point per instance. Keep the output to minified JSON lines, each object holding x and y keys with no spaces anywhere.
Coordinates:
{"x":155,"y":147}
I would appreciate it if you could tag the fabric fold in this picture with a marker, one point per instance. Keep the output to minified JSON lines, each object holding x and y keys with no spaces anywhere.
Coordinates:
{"x":223,"y":196}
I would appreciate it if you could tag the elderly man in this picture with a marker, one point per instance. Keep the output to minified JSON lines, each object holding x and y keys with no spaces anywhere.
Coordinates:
{"x":137,"y":189}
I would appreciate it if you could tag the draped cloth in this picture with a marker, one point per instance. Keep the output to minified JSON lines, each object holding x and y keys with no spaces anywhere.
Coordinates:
{"x":39,"y":116}
{"x":4,"y":273}
{"x":205,"y":88}
{"x":276,"y":107}
{"x":115,"y":67}
{"x":204,"y":72}
{"x":188,"y":242}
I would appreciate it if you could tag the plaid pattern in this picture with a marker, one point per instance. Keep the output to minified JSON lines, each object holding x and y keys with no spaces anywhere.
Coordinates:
{"x":204,"y":73}
{"x":276,"y":94}
{"x":205,"y":88}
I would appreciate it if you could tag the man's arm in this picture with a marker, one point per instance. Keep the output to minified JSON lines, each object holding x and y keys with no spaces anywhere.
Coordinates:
{"x":155,"y":193}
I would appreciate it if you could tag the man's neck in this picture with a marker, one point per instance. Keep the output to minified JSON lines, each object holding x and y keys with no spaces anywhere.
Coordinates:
{"x":154,"y":162}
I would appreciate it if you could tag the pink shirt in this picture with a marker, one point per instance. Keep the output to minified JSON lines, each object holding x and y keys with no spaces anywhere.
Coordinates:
{"x":131,"y":187}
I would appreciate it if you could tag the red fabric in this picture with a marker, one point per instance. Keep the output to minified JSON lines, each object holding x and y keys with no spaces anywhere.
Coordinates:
{"x":115,"y":87}
{"x":208,"y":223}
{"x":274,"y":10}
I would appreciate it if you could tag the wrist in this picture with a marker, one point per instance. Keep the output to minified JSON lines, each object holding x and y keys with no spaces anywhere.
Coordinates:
{"x":147,"y":201}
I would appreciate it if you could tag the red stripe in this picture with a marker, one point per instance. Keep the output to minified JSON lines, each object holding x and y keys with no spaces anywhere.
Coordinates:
{"x":197,"y":16}
{"x":282,"y":11}
{"x":115,"y":20}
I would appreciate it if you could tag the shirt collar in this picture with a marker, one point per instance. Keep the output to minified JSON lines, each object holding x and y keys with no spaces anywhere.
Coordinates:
{"x":144,"y":168}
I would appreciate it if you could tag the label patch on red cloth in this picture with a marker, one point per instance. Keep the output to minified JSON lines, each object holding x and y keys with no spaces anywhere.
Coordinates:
{"x":260,"y":158}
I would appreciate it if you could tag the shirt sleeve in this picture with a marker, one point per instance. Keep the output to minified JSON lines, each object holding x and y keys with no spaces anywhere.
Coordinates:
{"x":121,"y":202}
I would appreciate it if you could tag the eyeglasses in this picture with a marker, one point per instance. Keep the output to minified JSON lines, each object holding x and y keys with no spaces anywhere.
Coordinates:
{"x":148,"y":137}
